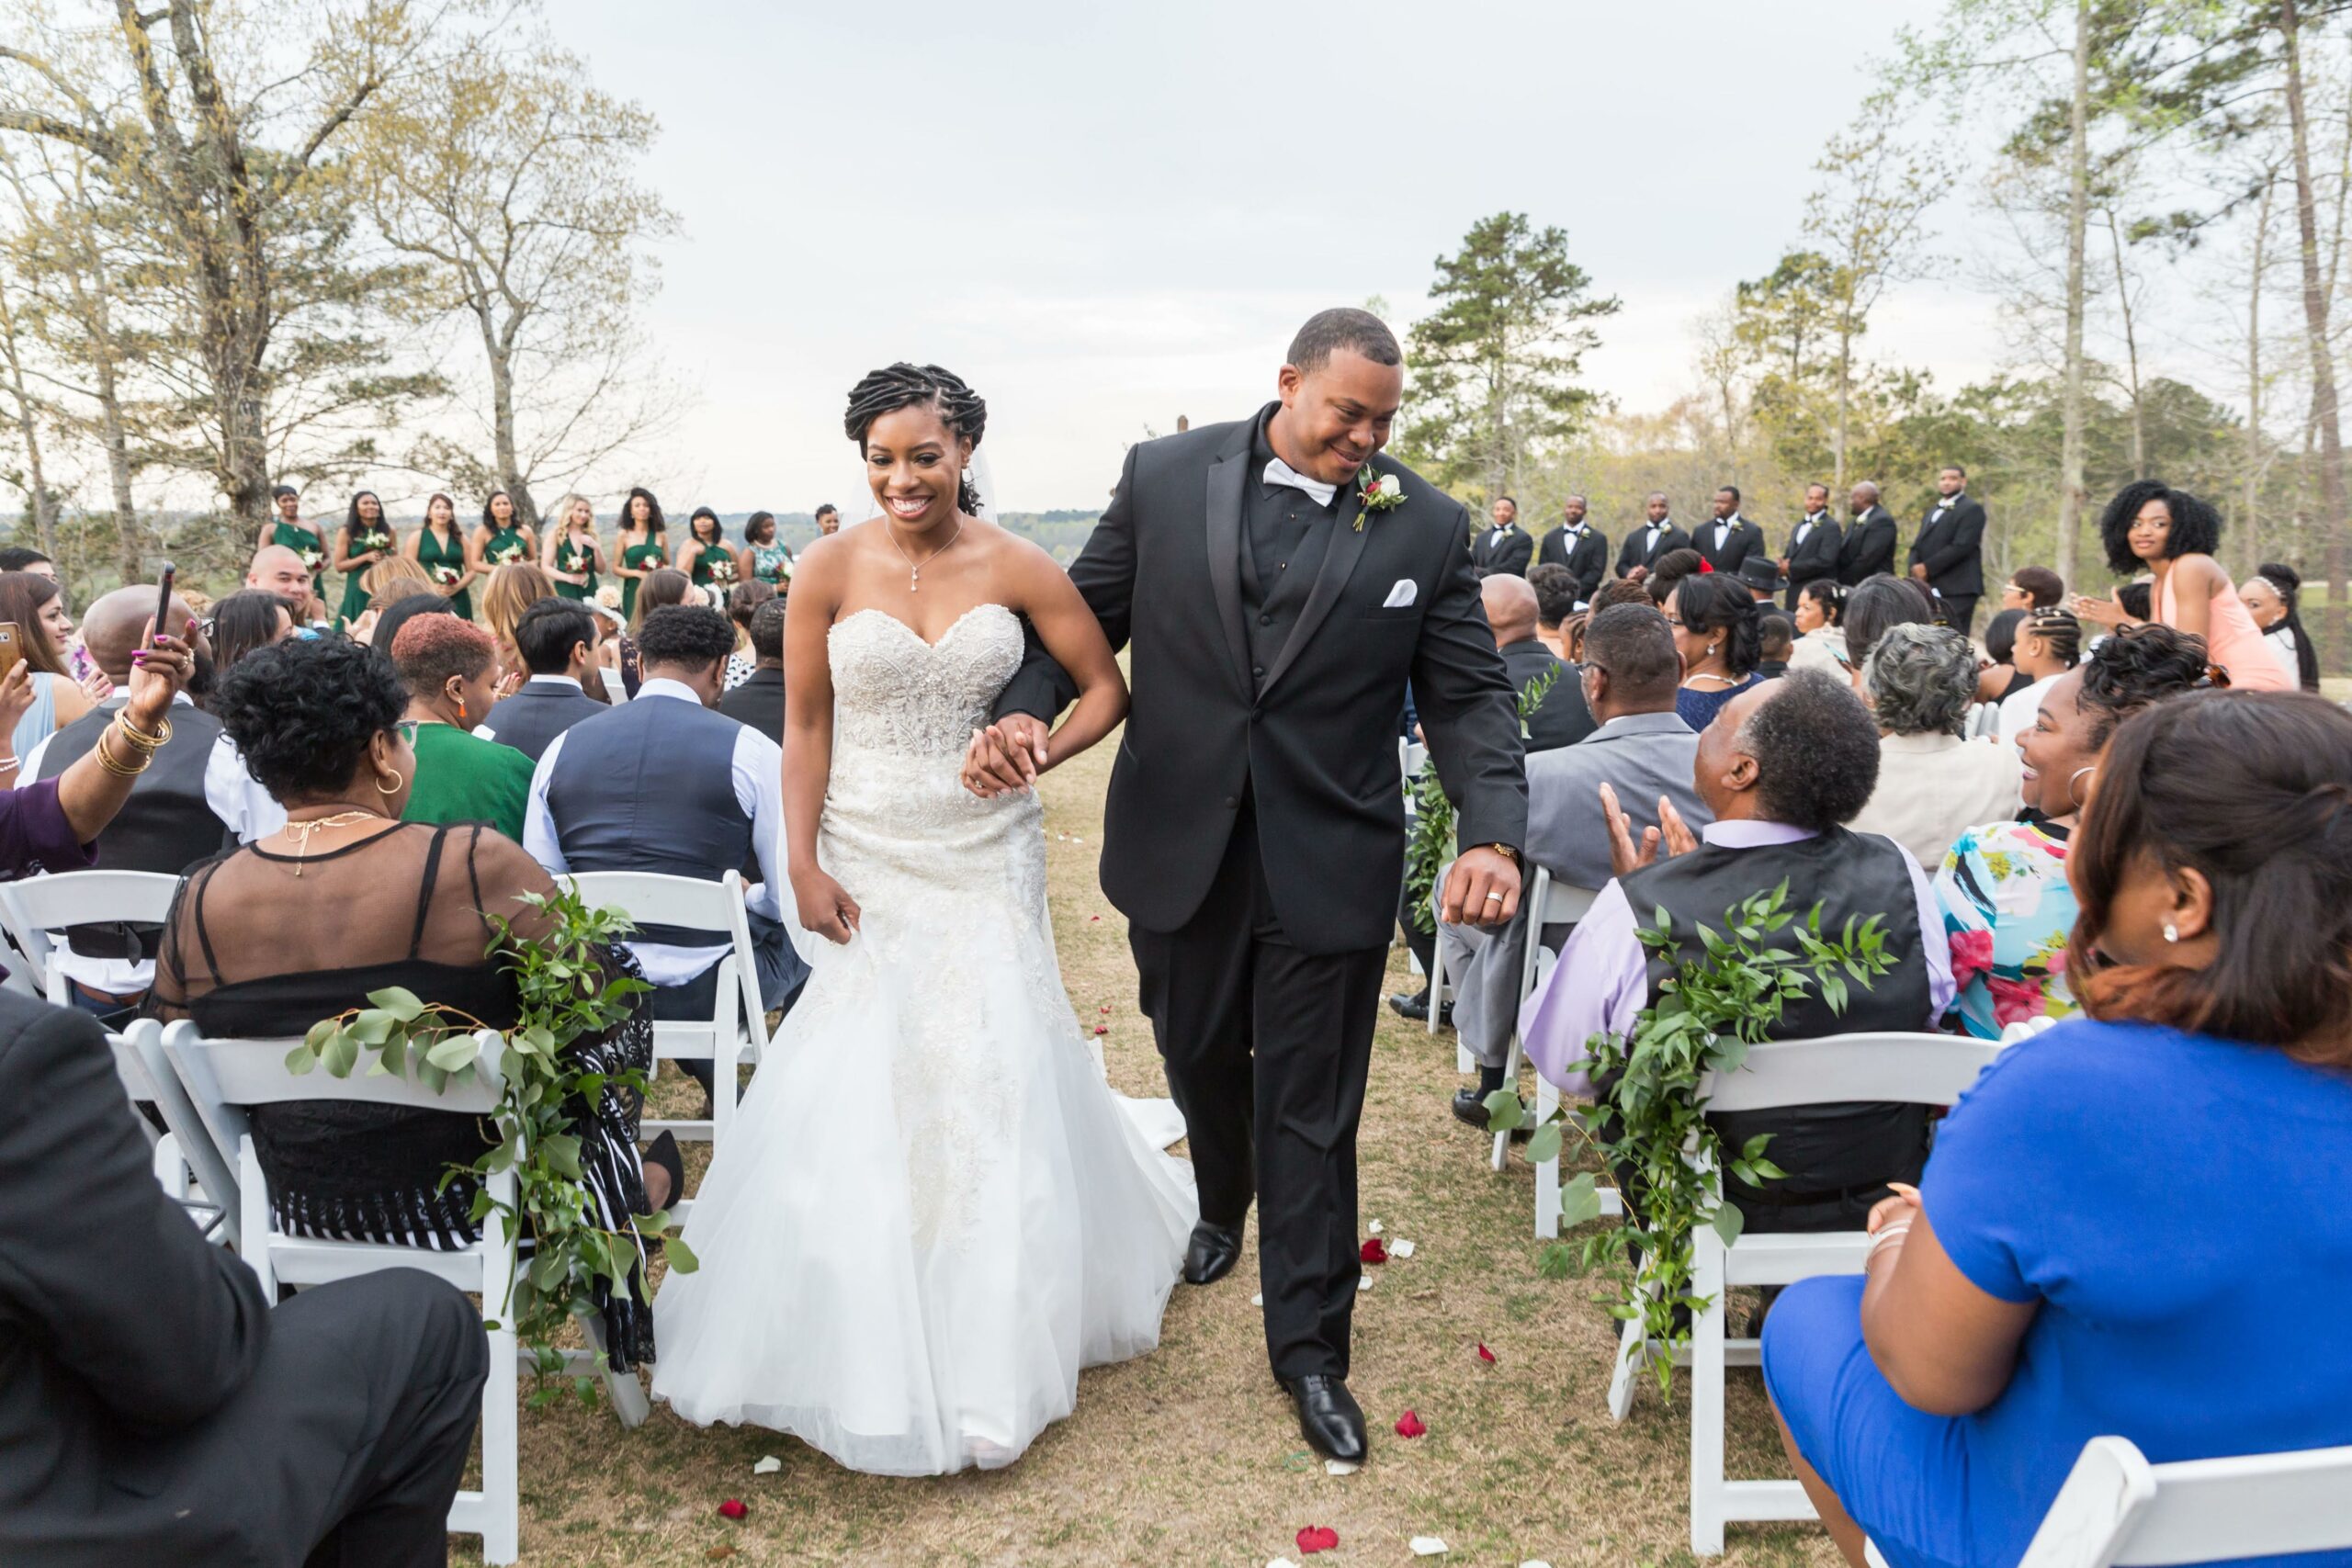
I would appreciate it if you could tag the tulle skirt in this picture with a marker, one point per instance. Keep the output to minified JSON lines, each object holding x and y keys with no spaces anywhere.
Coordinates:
{"x":931,"y":1211}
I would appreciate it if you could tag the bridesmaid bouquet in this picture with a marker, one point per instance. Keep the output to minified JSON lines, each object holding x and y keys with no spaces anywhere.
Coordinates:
{"x":511,"y":550}
{"x":723,"y":569}
{"x":446,"y":576}
{"x":311,"y":556}
{"x":375,"y":540}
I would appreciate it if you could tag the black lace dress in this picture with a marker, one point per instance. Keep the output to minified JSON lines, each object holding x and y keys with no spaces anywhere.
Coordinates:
{"x":264,"y":944}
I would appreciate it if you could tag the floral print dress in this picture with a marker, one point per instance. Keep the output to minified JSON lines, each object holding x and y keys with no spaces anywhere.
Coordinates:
{"x":2008,"y":912}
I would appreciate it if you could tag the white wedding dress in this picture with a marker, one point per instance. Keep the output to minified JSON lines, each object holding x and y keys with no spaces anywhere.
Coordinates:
{"x":931,"y":1210}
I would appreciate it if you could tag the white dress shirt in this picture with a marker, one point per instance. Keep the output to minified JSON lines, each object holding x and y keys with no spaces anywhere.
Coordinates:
{"x":484,"y":732}
{"x":2018,"y":710}
{"x":758,"y":773}
{"x":244,"y":808}
{"x":1805,"y":528}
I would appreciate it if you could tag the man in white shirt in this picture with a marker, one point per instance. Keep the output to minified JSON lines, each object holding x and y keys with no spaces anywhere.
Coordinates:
{"x":1814,"y":544}
{"x":1724,"y":543}
{"x":1644,"y":545}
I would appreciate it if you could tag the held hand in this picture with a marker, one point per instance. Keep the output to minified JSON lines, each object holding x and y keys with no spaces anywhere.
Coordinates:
{"x":1006,"y":757}
{"x":1623,"y":856}
{"x":1903,"y":1206}
{"x":158,"y":671}
{"x":363,"y":629}
{"x":825,"y":905}
{"x":1638,"y":573}
{"x":1920,"y":571}
{"x":1483,"y":889}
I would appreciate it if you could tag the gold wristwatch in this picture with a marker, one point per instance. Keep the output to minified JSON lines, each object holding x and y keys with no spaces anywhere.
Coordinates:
{"x":1503,"y":850}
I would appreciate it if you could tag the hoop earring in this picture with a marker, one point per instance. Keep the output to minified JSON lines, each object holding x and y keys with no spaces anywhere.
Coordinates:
{"x":2078,"y":773}
{"x":388,"y":789}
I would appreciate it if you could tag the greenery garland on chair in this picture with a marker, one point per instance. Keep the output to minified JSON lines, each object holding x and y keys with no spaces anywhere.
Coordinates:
{"x":1650,"y":1120}
{"x":565,"y":996}
{"x":1430,"y":843}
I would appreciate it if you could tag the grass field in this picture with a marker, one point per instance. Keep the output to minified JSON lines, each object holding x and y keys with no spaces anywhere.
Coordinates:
{"x":1190,"y":1455}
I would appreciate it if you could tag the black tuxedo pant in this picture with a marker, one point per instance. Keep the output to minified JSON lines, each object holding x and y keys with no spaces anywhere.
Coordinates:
{"x":1267,"y":1048}
{"x":1960,"y":612}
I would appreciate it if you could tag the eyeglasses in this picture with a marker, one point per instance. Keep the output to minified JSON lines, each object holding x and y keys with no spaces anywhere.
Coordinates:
{"x":407,"y":729}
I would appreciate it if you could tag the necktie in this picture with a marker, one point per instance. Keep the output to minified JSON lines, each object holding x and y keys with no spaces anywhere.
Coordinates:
{"x":1281,"y":473}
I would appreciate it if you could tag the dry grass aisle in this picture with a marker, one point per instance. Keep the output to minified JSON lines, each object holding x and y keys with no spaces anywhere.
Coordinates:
{"x":1190,"y":1456}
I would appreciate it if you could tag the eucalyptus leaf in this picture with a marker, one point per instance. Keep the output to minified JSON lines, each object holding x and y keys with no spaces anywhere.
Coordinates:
{"x":1545,"y":1145}
{"x":302,"y":1058}
{"x":451,"y":1052}
{"x":1504,"y":1111}
{"x":681,"y":1257}
{"x":399,"y":1001}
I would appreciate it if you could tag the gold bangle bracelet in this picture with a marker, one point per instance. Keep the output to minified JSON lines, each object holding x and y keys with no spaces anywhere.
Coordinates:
{"x":139,"y":738}
{"x":113,"y":765}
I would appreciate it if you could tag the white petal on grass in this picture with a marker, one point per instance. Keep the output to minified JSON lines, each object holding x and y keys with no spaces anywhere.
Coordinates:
{"x":1400,"y":1249}
{"x":769,"y":1465}
{"x":1373,"y":1227}
{"x":1535,"y":1562}
{"x":1428,"y":1546}
{"x":1341,"y":1467}
{"x":1363,"y":1282}
{"x":1257,"y":1301}
{"x":1280,"y":1563}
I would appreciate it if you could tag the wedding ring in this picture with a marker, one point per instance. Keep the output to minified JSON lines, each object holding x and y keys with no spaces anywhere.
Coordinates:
{"x":1494,"y":897}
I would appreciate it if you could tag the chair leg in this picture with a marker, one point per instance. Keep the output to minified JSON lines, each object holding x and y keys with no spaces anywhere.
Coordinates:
{"x":1437,"y":986}
{"x":1621,"y":1379}
{"x":626,"y":1394}
{"x":1548,"y":1173}
{"x":501,"y":1464}
{"x":1510,"y":1081}
{"x":1707,"y":1499}
{"x":254,"y":1226}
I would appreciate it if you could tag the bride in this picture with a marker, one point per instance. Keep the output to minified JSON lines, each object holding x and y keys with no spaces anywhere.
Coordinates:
{"x":931,"y":1211}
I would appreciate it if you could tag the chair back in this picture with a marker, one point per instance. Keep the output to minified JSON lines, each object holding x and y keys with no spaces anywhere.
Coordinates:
{"x":2116,"y":1510}
{"x":147,"y":1073}
{"x":1906,"y":1069}
{"x":655,"y":898}
{"x":37,"y":907}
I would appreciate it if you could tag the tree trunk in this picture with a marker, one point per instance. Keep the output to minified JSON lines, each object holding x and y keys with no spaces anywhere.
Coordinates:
{"x":44,"y":506}
{"x":497,"y":349}
{"x":1845,"y":403}
{"x":2249,"y":551}
{"x":2131,"y":352}
{"x":2324,"y":408}
{"x":2070,"y":456}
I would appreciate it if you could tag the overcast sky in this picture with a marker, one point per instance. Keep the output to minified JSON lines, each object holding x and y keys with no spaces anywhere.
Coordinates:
{"x":1102,"y":216}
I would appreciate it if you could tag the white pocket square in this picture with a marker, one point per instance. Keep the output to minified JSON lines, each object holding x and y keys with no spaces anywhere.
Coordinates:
{"x":1404,"y":594}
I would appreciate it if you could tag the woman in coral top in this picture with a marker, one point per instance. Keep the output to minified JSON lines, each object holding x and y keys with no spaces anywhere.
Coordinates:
{"x":2174,"y":535}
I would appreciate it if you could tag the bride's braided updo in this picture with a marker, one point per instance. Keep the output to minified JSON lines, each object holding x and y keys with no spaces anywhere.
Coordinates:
{"x":904,"y":386}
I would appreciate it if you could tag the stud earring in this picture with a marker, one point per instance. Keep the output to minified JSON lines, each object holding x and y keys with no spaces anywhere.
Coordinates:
{"x":2172,"y":932}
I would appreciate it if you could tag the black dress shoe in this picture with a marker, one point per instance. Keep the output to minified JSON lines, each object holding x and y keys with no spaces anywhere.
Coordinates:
{"x":1415,"y":1007}
{"x":1470,"y":1106}
{"x":1330,"y":1416}
{"x":1211,"y":1254}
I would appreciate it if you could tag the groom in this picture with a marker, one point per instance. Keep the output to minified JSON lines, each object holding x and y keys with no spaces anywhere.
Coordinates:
{"x":1254,"y":831}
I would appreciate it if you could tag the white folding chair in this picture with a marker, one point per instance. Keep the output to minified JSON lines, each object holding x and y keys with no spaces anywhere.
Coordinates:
{"x":736,"y":1032}
{"x":2119,"y":1511}
{"x":1906,"y":1069}
{"x":1549,"y":903}
{"x":226,"y":1077}
{"x":190,"y":1166}
{"x":39,"y":909}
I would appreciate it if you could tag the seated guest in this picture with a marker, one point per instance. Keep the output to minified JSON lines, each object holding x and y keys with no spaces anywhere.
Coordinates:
{"x":2056,"y":1276}
{"x":35,"y":604}
{"x":1671,"y":568}
{"x":1821,"y":639}
{"x":155,"y":1409}
{"x":2273,"y":597}
{"x":347,"y":899}
{"x":1621,"y":590}
{"x":1555,"y":601}
{"x":1785,"y":766}
{"x":1644,"y":751}
{"x":715,"y":787}
{"x":2031,"y":588}
{"x":1931,"y":783}
{"x":512,"y":589}
{"x":384,"y":627}
{"x":2049,"y":643}
{"x":194,"y":798}
{"x":2008,"y":909}
{"x":1761,"y":577}
{"x":1998,"y":676}
{"x":1714,"y":621}
{"x":1776,"y":636}
{"x":664,"y":588}
{"x":743,"y":600}
{"x":1561,"y":718}
{"x":1871,"y":606}
{"x":23,"y":558}
{"x":447,"y":663}
{"x":277,"y":570}
{"x":557,"y":639}
{"x":2138,"y":600}
{"x":244,"y":621}
{"x":758,"y":702}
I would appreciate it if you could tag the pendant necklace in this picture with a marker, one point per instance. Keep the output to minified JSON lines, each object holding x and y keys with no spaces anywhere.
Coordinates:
{"x":303,"y":832}
{"x":914,"y":567}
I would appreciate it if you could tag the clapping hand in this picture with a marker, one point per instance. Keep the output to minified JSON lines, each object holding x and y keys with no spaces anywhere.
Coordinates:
{"x":1623,"y":856}
{"x":2104,"y":611}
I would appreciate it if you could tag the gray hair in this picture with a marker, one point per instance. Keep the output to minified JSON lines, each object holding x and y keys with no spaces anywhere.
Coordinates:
{"x":1921,"y":680}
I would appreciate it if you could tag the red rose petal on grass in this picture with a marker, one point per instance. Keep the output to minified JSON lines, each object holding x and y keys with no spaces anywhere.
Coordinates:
{"x":732,"y":1508}
{"x":1093,"y":917}
{"x":1373,"y":1251}
{"x":1409,"y":1425}
{"x":1106,"y":1009}
{"x":1101,"y":1029}
{"x":1486,"y":1355}
{"x":1317,"y":1538}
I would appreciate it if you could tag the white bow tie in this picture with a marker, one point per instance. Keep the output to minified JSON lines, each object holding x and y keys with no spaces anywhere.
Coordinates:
{"x":1281,"y":473}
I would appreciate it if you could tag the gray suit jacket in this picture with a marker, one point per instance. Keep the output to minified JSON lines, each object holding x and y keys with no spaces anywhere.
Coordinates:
{"x":1641,"y":756}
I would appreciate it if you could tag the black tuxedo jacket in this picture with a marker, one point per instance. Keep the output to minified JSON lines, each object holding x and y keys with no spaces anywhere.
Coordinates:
{"x":531,"y":719}
{"x":1868,"y":549}
{"x":1630,"y":553}
{"x":758,"y":701}
{"x":1312,"y":740}
{"x":1817,"y":557}
{"x":1744,"y":540}
{"x":1495,"y":551}
{"x":1953,"y":551}
{"x":1562,"y":718}
{"x":1588,"y":563}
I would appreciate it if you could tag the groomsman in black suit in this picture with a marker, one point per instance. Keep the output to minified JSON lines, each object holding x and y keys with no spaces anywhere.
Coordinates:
{"x":1506,"y":547}
{"x":1578,"y":546}
{"x":1868,"y":547}
{"x":1812,"y":545}
{"x":1949,"y":554}
{"x":1730,"y":538}
{"x":1643,"y":545}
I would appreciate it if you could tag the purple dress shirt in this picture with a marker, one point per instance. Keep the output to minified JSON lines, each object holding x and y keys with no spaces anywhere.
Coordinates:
{"x":35,"y":835}
{"x":1601,"y":981}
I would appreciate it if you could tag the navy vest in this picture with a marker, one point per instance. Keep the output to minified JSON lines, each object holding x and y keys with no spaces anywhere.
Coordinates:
{"x":1825,"y":1149}
{"x":650,"y":785}
{"x":166,"y":826}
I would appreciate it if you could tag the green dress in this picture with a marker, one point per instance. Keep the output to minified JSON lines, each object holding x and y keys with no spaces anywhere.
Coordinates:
{"x":638,"y":558}
{"x":714,"y":564}
{"x":355,"y":593}
{"x":772,"y":564}
{"x":570,"y":557}
{"x":306,"y":543}
{"x":444,"y":563}
{"x":504,"y":545}
{"x":463,"y":778}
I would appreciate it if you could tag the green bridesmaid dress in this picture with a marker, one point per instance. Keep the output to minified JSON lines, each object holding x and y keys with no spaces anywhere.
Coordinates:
{"x":355,"y":594}
{"x":446,"y":563}
{"x":637,"y":558}
{"x":306,"y":543}
{"x":570,"y":557}
{"x":504,"y":545}
{"x":715,"y":564}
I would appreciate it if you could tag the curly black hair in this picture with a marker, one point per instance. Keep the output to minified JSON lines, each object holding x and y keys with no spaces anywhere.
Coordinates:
{"x":905,"y":386}
{"x":654,"y":522}
{"x":2134,"y":669}
{"x":1816,"y":750}
{"x":2195,"y":526}
{"x":1718,"y":602}
{"x":691,"y":635}
{"x":1828,"y":595}
{"x":302,"y":712}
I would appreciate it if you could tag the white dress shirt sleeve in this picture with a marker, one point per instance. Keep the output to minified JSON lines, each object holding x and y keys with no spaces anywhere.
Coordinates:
{"x":758,"y":790}
{"x":1596,"y":988}
{"x":248,"y":809}
{"x":1933,"y":944}
{"x":539,"y":826}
